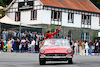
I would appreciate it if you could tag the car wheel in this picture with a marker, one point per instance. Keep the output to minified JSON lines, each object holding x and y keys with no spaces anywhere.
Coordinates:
{"x":70,"y":61}
{"x":42,"y":62}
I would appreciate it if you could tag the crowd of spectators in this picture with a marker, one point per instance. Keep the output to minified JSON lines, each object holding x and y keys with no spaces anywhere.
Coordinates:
{"x":10,"y":41}
{"x":85,"y":48}
{"x":6,"y":34}
{"x":32,"y":40}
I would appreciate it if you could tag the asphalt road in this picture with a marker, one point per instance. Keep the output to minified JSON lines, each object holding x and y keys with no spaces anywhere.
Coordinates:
{"x":31,"y":60}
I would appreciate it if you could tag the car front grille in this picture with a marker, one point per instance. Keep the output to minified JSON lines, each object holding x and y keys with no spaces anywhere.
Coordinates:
{"x":55,"y":54}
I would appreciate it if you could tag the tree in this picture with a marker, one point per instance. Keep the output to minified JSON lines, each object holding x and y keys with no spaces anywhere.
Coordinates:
{"x":4,"y":3}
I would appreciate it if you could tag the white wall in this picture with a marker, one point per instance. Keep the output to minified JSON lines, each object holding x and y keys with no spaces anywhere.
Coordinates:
{"x":25,"y":17}
{"x":46,"y":17}
{"x":77,"y":20}
{"x":64,"y":19}
{"x":39,"y":18}
{"x":94,"y":23}
{"x":11,"y":16}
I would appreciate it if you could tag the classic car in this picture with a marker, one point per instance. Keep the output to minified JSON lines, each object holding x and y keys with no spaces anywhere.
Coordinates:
{"x":55,"y":50}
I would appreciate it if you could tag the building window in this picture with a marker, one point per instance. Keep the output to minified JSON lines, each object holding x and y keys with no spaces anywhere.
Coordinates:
{"x":85,"y":36}
{"x":34,"y":15}
{"x":70,"y":34}
{"x":17,"y":16}
{"x":56,"y":15}
{"x":86,"y":19}
{"x":70,"y":18}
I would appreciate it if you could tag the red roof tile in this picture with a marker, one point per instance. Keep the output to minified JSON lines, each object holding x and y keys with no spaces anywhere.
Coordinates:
{"x":83,"y":5}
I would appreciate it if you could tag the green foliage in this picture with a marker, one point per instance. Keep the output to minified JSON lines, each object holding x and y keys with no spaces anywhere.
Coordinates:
{"x":4,"y":3}
{"x":53,"y":28}
{"x":95,"y":34}
{"x":2,"y":12}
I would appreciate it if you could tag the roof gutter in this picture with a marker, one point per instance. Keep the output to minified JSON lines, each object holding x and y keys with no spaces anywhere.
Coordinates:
{"x":71,"y":9}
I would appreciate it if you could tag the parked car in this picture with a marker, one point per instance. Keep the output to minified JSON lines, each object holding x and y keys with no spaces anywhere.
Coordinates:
{"x":55,"y":50}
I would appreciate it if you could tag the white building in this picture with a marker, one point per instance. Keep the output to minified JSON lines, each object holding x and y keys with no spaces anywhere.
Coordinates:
{"x":76,"y":16}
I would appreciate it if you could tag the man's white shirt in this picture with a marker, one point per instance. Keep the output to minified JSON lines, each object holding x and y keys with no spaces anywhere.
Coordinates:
{"x":33,"y":43}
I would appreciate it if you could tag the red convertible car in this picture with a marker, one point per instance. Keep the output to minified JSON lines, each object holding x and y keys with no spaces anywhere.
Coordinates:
{"x":55,"y":50}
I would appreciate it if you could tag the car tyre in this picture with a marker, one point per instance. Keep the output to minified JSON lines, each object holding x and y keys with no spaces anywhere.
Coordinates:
{"x":42,"y":62}
{"x":70,"y":61}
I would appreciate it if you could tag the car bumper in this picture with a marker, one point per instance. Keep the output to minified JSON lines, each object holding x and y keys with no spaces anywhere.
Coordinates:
{"x":56,"y":58}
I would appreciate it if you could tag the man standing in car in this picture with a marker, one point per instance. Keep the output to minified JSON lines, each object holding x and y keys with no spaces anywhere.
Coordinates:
{"x":50,"y":35}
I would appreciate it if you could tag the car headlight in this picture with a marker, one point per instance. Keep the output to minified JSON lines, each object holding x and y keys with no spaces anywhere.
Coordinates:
{"x":42,"y":50}
{"x":69,"y":50}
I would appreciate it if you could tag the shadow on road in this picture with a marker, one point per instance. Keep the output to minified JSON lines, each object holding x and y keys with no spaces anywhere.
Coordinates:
{"x":59,"y":64}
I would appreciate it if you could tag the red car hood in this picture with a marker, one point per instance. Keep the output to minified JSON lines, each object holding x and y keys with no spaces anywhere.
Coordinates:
{"x":54,"y":49}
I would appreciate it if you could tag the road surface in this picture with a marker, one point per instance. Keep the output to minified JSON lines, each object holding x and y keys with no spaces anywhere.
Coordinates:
{"x":31,"y":60}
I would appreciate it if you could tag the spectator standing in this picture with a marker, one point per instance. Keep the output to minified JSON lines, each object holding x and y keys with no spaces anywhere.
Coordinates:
{"x":33,"y":35}
{"x":26,"y":45}
{"x":17,"y":45}
{"x":83,"y":48}
{"x":76,"y":47}
{"x":10,"y":34}
{"x":73,"y":45}
{"x":5,"y":43}
{"x":44,"y":35}
{"x":8,"y":45}
{"x":96,"y":47}
{"x":22,"y":43}
{"x":90,"y":47}
{"x":4,"y":34}
{"x":1,"y":46}
{"x":12,"y":43}
{"x":86,"y":47}
{"x":37,"y":45}
{"x":15,"y":34}
{"x":32,"y":46}
{"x":69,"y":41}
{"x":80,"y":47}
{"x":40,"y":44}
{"x":99,"y":47}
{"x":23,"y":35}
{"x":7,"y":33}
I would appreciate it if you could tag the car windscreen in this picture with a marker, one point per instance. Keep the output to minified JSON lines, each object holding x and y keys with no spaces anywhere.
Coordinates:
{"x":58,"y":42}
